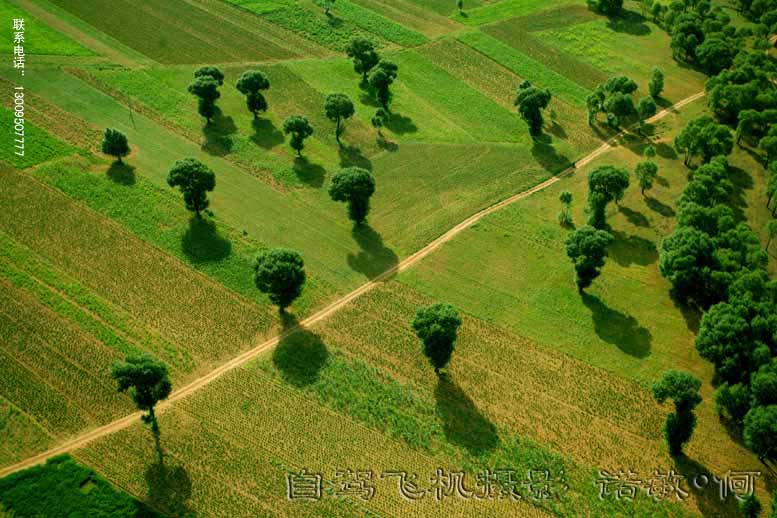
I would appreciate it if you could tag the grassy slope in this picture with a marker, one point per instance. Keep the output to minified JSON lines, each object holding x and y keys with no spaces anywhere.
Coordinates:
{"x":39,"y":38}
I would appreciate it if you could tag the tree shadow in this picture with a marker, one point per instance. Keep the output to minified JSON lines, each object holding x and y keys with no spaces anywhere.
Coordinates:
{"x":387,"y":145}
{"x":659,"y":207}
{"x":618,"y":329}
{"x":217,"y":140}
{"x":706,"y":495}
{"x":309,"y":173}
{"x":400,"y":124}
{"x":663,"y":182}
{"x":463,"y":424}
{"x":636,"y":218}
{"x":169,"y":489}
{"x":630,"y":249}
{"x":664,"y":150}
{"x":122,"y":173}
{"x":351,"y":156}
{"x":202,"y":242}
{"x":629,"y":22}
{"x":266,"y":134}
{"x":334,"y":21}
{"x":547,"y":156}
{"x":691,"y":314}
{"x":300,"y":355}
{"x":375,"y":257}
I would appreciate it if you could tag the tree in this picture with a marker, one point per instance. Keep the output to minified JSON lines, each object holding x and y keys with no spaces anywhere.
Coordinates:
{"x":587,"y":248}
{"x":300,"y":129}
{"x":530,"y":102}
{"x":683,"y":389}
{"x":460,"y":6}
{"x":768,"y":144}
{"x":606,"y":7}
{"x":703,"y":136}
{"x":650,"y":151}
{"x":354,"y":186}
{"x":645,"y":109}
{"x":605,"y":184}
{"x":364,"y":56}
{"x":212,"y":72}
{"x":733,"y":401}
{"x":328,"y":4}
{"x":771,"y":230}
{"x":280,"y":273}
{"x":750,"y":506}
{"x":646,"y":173}
{"x":206,"y":89}
{"x":146,"y":380}
{"x":250,"y":84}
{"x":656,"y":85}
{"x":760,"y":431}
{"x":715,"y":54}
{"x":194,"y":179}
{"x":381,"y":78}
{"x":379,"y":120}
{"x":565,"y":217}
{"x":749,"y":123}
{"x":115,"y":144}
{"x":436,"y":326}
{"x":687,"y":261}
{"x":613,"y":97}
{"x":337,"y":108}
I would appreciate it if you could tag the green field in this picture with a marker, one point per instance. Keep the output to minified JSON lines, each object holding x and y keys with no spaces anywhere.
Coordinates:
{"x":101,"y":259}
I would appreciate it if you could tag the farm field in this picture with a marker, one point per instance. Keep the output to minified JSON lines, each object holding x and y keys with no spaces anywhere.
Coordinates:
{"x":270,"y":371}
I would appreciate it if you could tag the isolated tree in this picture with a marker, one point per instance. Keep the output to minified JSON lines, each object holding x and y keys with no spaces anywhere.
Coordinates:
{"x":606,"y":7}
{"x":328,"y":4}
{"x":646,"y":173}
{"x":251,"y":84}
{"x":338,"y":107}
{"x":656,"y":85}
{"x":460,"y":6}
{"x":530,"y":102}
{"x":210,"y":71}
{"x":115,"y":144}
{"x":650,"y":151}
{"x":760,"y":431}
{"x":605,"y":184}
{"x":206,"y":89}
{"x":587,"y":248}
{"x":750,"y":506}
{"x":381,"y":77}
{"x":354,"y":186}
{"x":194,"y":179}
{"x":280,"y":273}
{"x":436,"y":326}
{"x":364,"y":56}
{"x":683,"y":389}
{"x":146,"y":380}
{"x":565,"y":216}
{"x":300,"y":129}
{"x":645,"y":109}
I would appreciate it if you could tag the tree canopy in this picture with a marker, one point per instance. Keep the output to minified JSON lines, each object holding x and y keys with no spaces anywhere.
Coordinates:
{"x":147,"y":381}
{"x":300,"y":129}
{"x":251,"y":84}
{"x":436,"y":326}
{"x":194,"y":179}
{"x":683,"y":389}
{"x":364,"y":56}
{"x":381,"y":78}
{"x":530,"y":101}
{"x":587,"y":248}
{"x":280,"y":273}
{"x":354,"y":186}
{"x":115,"y":144}
{"x":338,"y":107}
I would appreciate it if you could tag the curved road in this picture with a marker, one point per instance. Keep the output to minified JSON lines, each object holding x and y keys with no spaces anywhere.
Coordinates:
{"x":124,"y":422}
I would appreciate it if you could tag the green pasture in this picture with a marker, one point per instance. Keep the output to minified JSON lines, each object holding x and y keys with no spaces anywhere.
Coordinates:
{"x":39,"y":38}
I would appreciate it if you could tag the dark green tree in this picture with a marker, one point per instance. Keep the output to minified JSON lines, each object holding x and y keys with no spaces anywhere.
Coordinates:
{"x":646,"y":173}
{"x":381,"y":78}
{"x":300,"y":129}
{"x":715,"y":54}
{"x":379,"y":120}
{"x":733,"y":401}
{"x":704,"y":137}
{"x":280,"y":273}
{"x":115,"y":144}
{"x":530,"y":102}
{"x":194,"y":179}
{"x":436,"y":326}
{"x":206,"y":89}
{"x":656,"y":85}
{"x":760,"y":431}
{"x":146,"y":380}
{"x":210,"y":71}
{"x":605,"y":184}
{"x":645,"y":109}
{"x":338,"y":107}
{"x":565,"y":216}
{"x":251,"y":84}
{"x":606,"y":7}
{"x":683,"y":389}
{"x":587,"y":248}
{"x":364,"y":56}
{"x":354,"y":186}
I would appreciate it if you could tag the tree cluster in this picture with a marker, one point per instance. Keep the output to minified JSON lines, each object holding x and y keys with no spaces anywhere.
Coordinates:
{"x":379,"y":74}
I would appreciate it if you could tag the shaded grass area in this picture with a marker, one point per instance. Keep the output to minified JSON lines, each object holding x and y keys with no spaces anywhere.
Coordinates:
{"x":64,"y":488}
{"x":39,"y":37}
{"x":39,"y":145}
{"x":174,"y":31}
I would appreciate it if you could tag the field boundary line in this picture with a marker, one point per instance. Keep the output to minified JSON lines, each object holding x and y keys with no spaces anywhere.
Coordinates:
{"x":124,"y":422}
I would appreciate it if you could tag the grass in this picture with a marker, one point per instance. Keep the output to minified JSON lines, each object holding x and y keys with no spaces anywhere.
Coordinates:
{"x":505,"y":9}
{"x":159,"y":32}
{"x":38,"y":37}
{"x":377,"y":24}
{"x":526,"y":67}
{"x":68,"y":487}
{"x":39,"y":146}
{"x":22,"y":437}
